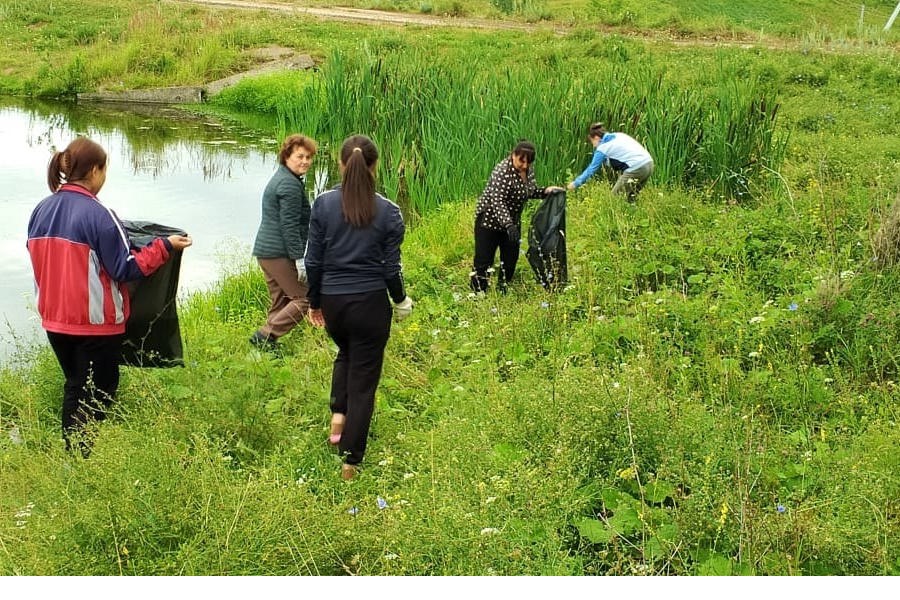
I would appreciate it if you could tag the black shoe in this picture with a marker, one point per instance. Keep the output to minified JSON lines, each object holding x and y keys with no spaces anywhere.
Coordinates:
{"x":264,"y":342}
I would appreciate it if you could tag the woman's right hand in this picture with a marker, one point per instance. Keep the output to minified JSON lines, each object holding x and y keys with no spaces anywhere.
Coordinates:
{"x":180,"y":242}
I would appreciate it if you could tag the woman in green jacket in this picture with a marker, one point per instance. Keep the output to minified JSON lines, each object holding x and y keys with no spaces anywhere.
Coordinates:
{"x":281,"y":240}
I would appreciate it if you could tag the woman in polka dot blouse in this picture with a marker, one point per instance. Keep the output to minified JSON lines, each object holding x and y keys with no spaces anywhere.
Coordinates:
{"x":498,"y":215}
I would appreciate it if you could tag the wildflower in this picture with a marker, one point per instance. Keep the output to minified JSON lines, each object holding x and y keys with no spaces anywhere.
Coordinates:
{"x":463,"y":324}
{"x":756,"y":320}
{"x":459,"y":388}
{"x":723,"y":513}
{"x":616,"y":384}
{"x":626,"y":473}
{"x":390,"y":556}
{"x":490,"y":531}
{"x":490,"y":499}
{"x":381,"y":502}
{"x":792,"y":306}
{"x":545,"y":305}
{"x":493,"y":310}
{"x":780,"y":508}
{"x":753,"y":354}
{"x":352,"y":510}
{"x":408,"y":475}
{"x":15,"y":436}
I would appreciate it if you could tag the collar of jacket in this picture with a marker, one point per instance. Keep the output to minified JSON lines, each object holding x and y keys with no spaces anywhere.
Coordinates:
{"x":302,"y":178}
{"x":74,"y":187}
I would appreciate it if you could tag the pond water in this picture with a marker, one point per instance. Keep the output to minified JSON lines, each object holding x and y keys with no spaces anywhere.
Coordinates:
{"x":165,"y":166}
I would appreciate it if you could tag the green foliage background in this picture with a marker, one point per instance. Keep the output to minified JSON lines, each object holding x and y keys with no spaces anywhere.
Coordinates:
{"x":715,"y":393}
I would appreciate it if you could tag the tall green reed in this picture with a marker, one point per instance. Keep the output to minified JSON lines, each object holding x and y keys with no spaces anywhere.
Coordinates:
{"x":441,"y":126}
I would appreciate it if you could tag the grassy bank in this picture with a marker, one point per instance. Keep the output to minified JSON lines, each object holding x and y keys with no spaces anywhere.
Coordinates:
{"x":715,"y":393}
{"x":709,"y":396}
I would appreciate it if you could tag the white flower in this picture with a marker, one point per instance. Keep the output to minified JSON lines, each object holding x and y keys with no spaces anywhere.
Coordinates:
{"x":753,"y":354}
{"x":15,"y":436}
{"x":756,"y":320}
{"x":490,"y":531}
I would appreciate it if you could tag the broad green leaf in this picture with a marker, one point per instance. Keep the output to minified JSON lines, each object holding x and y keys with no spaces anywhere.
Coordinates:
{"x":594,"y":531}
{"x":716,"y":565}
{"x":508,"y":452}
{"x":657,"y":491}
{"x":625,"y":520}
{"x":654,"y":549}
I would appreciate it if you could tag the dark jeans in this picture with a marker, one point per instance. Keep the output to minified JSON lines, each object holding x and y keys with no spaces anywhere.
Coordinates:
{"x":360,"y":325}
{"x":90,"y":364}
{"x":486,"y":243}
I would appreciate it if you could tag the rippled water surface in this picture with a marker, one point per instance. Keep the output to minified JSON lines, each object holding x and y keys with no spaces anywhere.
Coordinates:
{"x":165,"y":166}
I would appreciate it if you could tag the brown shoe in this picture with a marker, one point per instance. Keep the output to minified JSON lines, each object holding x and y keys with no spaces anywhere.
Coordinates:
{"x":348,"y":472}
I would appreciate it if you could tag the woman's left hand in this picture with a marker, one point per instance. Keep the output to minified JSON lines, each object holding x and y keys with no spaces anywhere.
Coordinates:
{"x":315,"y":317}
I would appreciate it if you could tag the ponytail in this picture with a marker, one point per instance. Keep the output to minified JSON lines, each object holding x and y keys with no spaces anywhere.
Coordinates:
{"x":358,"y":155}
{"x":75,"y":163}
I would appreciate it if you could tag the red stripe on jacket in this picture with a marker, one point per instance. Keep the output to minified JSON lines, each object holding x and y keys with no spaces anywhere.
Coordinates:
{"x":81,"y":259}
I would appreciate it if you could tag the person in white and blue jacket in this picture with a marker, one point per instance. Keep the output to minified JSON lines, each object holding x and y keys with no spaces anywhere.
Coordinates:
{"x":624,"y":154}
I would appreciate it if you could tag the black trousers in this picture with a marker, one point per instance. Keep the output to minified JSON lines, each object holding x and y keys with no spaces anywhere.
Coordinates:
{"x":90,"y":364}
{"x":486,"y":243}
{"x":360,"y":325}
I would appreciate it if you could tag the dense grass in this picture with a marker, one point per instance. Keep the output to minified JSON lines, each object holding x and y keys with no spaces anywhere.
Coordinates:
{"x":715,"y":392}
{"x":708,"y":397}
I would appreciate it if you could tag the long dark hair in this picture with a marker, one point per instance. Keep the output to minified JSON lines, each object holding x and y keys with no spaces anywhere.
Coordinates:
{"x":525,"y":150}
{"x":358,"y":155}
{"x":75,"y":162}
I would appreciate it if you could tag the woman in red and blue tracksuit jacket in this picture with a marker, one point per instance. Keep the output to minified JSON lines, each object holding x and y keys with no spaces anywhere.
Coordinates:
{"x":81,"y":258}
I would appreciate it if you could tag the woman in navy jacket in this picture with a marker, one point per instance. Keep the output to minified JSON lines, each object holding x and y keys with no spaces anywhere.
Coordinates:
{"x":81,"y":258}
{"x":353,"y":265}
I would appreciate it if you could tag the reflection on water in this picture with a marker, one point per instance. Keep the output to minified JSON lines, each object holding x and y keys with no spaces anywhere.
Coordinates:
{"x":165,"y":166}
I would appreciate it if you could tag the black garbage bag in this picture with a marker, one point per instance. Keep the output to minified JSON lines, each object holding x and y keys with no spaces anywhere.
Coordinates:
{"x":547,"y":242}
{"x":152,"y":334}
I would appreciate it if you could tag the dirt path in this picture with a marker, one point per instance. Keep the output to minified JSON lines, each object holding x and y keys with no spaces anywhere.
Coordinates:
{"x":359,"y":15}
{"x":367,"y":16}
{"x":374,"y":17}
